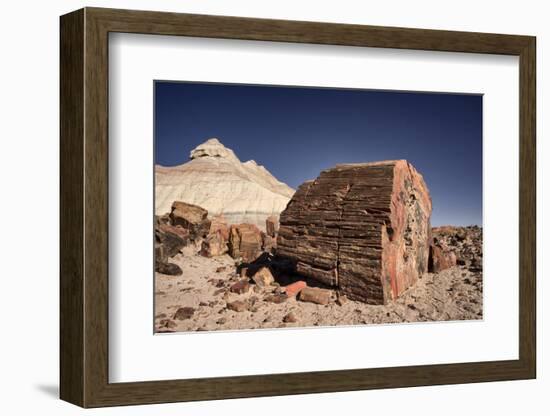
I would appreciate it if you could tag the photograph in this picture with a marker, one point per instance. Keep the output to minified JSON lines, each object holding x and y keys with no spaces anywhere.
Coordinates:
{"x":280,"y":206}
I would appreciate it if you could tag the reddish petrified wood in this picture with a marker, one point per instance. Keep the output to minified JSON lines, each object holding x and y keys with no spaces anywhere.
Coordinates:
{"x":214,"y":245}
{"x":191,"y":217}
{"x":294,"y":288}
{"x":440,"y":259}
{"x":363,"y":228}
{"x":245,"y":241}
{"x":218,"y":223}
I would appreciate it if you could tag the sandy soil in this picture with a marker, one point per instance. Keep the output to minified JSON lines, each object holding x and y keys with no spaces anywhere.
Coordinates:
{"x":197,"y":301}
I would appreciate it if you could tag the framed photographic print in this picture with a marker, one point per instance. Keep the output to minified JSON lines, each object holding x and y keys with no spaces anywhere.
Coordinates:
{"x":256,"y":207}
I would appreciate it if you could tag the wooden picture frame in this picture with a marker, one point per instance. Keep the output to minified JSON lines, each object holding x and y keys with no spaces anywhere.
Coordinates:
{"x":84,"y":207}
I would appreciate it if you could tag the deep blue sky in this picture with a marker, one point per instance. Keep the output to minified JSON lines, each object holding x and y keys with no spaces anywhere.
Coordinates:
{"x":297,"y":132}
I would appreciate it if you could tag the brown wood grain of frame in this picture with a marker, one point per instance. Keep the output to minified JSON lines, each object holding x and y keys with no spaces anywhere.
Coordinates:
{"x":84,"y":218}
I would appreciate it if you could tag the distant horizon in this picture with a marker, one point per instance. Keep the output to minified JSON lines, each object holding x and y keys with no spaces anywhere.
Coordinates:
{"x":295,"y":133}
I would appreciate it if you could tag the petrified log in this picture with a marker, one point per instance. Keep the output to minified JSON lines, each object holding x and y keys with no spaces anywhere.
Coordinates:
{"x":218,"y":223}
{"x":173,"y":239}
{"x":245,"y":241}
{"x":362,"y":228}
{"x":315,"y":295}
{"x":190,"y":217}
{"x":268,"y":243}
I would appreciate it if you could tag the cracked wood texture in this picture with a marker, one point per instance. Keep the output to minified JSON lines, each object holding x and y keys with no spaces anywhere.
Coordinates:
{"x":361,"y":228}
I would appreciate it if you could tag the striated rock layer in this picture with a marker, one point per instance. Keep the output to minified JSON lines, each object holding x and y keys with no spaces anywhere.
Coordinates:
{"x":362,"y":228}
{"x":216,"y":180}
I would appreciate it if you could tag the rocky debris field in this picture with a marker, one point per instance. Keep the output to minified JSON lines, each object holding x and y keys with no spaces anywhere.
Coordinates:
{"x":466,"y":243}
{"x":217,"y":294}
{"x":352,"y":247}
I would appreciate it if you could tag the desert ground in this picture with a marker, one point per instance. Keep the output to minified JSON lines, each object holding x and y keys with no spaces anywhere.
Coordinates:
{"x":235,"y":248}
{"x":201,"y":299}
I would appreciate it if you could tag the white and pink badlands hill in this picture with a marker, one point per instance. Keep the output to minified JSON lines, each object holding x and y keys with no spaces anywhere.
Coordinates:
{"x":215,"y":179}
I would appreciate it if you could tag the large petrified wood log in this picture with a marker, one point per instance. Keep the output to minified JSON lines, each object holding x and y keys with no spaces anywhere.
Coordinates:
{"x":362,"y":228}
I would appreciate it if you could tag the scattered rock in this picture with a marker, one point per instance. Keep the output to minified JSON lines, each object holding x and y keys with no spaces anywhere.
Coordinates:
{"x":221,"y":321}
{"x":218,"y":224}
{"x":221,"y":269}
{"x":168,"y":323}
{"x":276,"y":298}
{"x":169,"y":243}
{"x":241,"y":287}
{"x":294,"y":288}
{"x":177,"y":230}
{"x":363,"y":228}
{"x":290,"y":318}
{"x":440,"y":259}
{"x":213,"y":245}
{"x":341,"y":300}
{"x":170,"y":269}
{"x":162,"y":219}
{"x":263,"y":277}
{"x":217,"y":282}
{"x":245,"y":241}
{"x":315,"y":295}
{"x":237,"y":306}
{"x":191,"y":217}
{"x":465,"y":242}
{"x":184,"y":313}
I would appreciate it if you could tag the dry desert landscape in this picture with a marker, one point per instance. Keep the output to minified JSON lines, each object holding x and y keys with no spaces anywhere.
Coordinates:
{"x":238,"y":249}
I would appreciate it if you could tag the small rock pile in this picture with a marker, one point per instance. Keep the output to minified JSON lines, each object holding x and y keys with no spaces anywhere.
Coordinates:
{"x":464,"y":242}
{"x":186,"y":224}
{"x":189,"y":225}
{"x":262,"y":282}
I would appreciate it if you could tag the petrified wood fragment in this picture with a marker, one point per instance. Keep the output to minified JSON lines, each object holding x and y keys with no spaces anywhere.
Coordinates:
{"x":245,"y":241}
{"x":362,"y":228}
{"x":190,"y":217}
{"x":440,"y":259}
